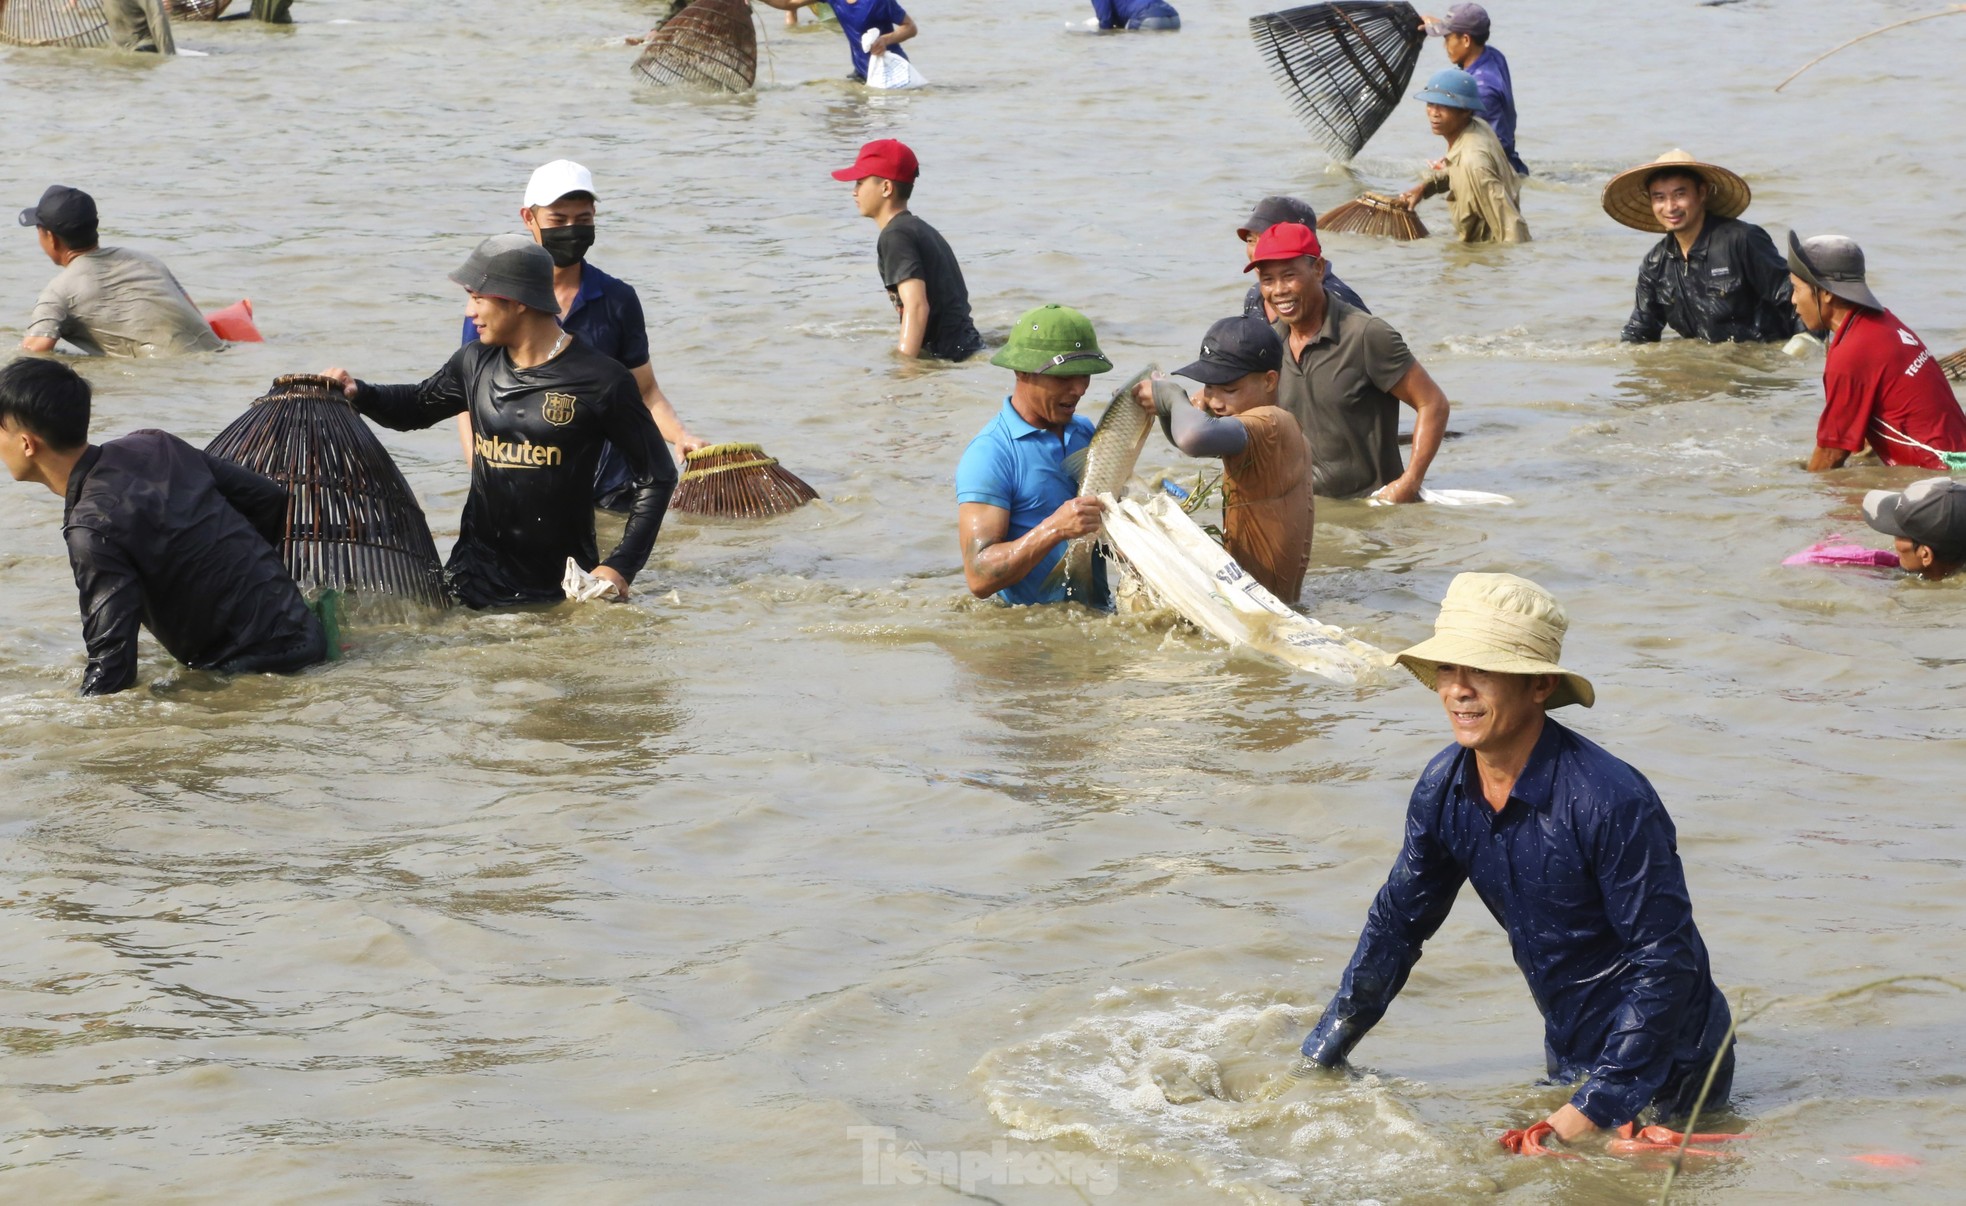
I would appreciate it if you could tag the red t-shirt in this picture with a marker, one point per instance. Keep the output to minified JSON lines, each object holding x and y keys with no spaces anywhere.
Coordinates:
{"x":1881,"y":377}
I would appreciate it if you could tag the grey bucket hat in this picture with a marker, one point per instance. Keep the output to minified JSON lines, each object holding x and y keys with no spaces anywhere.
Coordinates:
{"x":513,"y":267}
{"x":1833,"y":264}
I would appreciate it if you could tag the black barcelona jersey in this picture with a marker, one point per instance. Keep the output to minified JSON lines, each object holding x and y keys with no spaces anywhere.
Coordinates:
{"x":536,"y":436}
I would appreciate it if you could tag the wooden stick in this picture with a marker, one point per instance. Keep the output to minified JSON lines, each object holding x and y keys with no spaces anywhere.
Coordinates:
{"x":1953,"y":11}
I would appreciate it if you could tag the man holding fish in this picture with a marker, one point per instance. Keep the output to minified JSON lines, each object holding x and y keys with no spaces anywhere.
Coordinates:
{"x":1017,"y":496}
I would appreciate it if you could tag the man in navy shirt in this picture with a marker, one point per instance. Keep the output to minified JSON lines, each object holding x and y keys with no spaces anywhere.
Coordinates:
{"x":1573,"y":854}
{"x":1465,"y":32}
{"x":558,"y":212}
{"x":855,"y":18}
{"x":1135,"y":14}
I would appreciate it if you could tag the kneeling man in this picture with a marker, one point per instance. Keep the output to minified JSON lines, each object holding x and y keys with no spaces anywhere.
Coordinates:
{"x":160,"y":536}
{"x":1573,"y":854}
{"x":543,"y":404}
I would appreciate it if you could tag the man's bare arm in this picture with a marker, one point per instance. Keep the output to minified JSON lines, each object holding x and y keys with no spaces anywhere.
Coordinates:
{"x":1828,"y":458}
{"x":914,"y":316}
{"x":37,"y":343}
{"x":667,"y":421}
{"x":1419,"y":390}
{"x":991,"y":563}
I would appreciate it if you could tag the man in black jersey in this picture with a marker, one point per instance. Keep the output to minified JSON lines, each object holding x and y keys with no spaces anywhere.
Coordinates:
{"x":542,"y":404}
{"x":920,"y":271}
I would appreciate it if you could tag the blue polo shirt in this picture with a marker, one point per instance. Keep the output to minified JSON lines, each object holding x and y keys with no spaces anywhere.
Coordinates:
{"x":1021,"y":468}
{"x":607,"y":315}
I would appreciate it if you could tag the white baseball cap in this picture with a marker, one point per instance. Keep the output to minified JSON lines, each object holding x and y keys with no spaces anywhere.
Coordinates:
{"x":555,"y":180}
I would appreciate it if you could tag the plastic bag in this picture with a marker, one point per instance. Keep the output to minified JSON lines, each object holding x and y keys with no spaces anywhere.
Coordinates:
{"x":582,"y":586}
{"x":889,"y":71}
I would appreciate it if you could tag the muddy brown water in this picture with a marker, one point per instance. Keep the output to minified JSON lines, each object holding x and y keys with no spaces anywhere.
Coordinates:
{"x":669,"y":901}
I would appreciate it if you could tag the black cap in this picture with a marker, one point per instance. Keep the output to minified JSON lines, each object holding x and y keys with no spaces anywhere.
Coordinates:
{"x":68,"y":212}
{"x":1235,"y":348}
{"x":1930,"y":512}
{"x":1272,"y":210}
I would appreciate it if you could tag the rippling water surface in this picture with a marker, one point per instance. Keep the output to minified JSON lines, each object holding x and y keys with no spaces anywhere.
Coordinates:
{"x":667,"y":900}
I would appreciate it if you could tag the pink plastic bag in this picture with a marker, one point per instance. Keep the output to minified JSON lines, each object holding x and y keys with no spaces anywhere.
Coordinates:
{"x":1828,"y":552}
{"x":234,"y":324}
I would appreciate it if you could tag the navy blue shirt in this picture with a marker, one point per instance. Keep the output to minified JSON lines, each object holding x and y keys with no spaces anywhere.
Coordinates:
{"x":1491,"y":75}
{"x":607,"y":315}
{"x":1582,"y":870}
{"x":856,"y":17}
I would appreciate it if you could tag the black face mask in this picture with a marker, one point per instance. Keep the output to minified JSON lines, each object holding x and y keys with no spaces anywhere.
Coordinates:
{"x":567,"y":244}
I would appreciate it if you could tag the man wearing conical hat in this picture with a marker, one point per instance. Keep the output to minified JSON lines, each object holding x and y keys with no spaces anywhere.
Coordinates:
{"x":1712,"y":276}
{"x":1570,"y":849}
{"x":1017,"y":501}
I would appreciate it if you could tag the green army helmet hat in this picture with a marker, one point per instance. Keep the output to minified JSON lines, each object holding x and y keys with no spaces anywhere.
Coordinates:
{"x":1054,"y":340}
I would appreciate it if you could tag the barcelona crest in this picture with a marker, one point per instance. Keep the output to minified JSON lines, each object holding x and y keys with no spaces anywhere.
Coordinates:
{"x":557,"y":409}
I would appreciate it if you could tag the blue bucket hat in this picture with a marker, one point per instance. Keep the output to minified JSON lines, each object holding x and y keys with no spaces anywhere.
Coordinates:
{"x":1451,"y":88}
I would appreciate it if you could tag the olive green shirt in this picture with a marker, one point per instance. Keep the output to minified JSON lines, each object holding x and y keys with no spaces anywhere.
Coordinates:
{"x":1482,"y":190}
{"x":1339,"y":389}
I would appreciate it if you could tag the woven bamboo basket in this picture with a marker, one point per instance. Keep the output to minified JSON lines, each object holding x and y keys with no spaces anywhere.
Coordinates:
{"x":1375,"y":214}
{"x":53,"y":23}
{"x":709,"y":44}
{"x":1343,"y":66}
{"x":739,"y":480}
{"x":352,"y":522}
{"x":198,"y":10}
{"x":1955,"y":365}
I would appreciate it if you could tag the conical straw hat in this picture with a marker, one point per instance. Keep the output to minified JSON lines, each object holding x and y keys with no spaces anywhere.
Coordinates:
{"x":1504,"y":624}
{"x":1626,"y":201}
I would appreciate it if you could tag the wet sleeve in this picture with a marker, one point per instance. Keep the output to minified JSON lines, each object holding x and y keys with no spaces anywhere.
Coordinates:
{"x":1505,"y":216}
{"x":984,"y":475}
{"x":261,"y":500}
{"x":1108,"y":13}
{"x":900,"y":258}
{"x":1768,"y":276}
{"x":1198,"y":433}
{"x":1386,"y":355}
{"x":1643,"y":888}
{"x":1648,"y":320}
{"x":634,"y":435}
{"x":1434,"y":182}
{"x":1408,"y":911}
{"x":634,"y":350}
{"x":112,"y":610}
{"x":51,"y":312}
{"x":415,"y":407}
{"x":1848,"y":400}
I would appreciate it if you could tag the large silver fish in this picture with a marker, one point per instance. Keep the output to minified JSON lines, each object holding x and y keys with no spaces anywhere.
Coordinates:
{"x":1104,"y":467}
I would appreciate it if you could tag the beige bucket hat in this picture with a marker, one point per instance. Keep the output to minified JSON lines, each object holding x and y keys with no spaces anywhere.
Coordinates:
{"x":1502,"y":623}
{"x":1626,"y":201}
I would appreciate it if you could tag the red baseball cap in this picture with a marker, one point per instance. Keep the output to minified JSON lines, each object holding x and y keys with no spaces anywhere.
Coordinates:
{"x":888,"y":158}
{"x":1284,"y":241}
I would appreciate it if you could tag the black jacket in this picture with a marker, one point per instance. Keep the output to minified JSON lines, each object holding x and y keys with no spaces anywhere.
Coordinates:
{"x":164,"y":536}
{"x":1734,"y":285}
{"x":537,"y":434}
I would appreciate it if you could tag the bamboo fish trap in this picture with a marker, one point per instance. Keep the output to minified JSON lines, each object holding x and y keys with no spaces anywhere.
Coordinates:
{"x":709,"y":44}
{"x":352,"y":522}
{"x":1955,"y":365}
{"x":1375,"y":214}
{"x":53,"y":23}
{"x":198,"y":10}
{"x":738,"y":479}
{"x":1344,"y":66}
